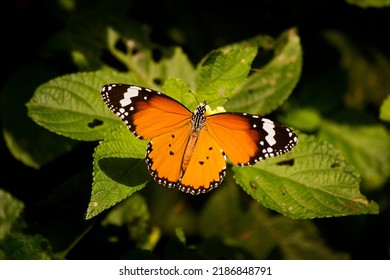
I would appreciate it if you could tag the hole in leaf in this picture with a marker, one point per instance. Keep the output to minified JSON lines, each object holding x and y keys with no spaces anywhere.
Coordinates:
{"x":157,"y":81}
{"x":156,"y":54}
{"x":335,"y":165}
{"x":120,"y":45}
{"x":95,"y":123}
{"x":289,"y":162}
{"x":282,"y":190}
{"x":253,"y":186}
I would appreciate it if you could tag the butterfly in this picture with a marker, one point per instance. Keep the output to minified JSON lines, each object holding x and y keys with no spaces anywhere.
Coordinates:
{"x":188,"y":150}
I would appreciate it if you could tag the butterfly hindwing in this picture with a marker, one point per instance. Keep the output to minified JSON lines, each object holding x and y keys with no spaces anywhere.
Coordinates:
{"x":164,"y":156}
{"x":207,"y":166}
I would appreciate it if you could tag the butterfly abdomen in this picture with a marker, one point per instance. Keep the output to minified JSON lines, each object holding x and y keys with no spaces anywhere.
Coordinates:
{"x":197,"y":124}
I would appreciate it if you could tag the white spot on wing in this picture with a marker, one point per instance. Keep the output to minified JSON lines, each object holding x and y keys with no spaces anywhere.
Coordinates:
{"x":128,"y":95}
{"x":269,"y":126}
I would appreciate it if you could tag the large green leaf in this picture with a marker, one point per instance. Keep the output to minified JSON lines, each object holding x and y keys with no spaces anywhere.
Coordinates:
{"x":71,"y":105}
{"x":176,"y":64}
{"x":366,"y":146}
{"x":268,"y":87}
{"x":178,"y":89}
{"x":312,"y":181}
{"x":119,"y":170}
{"x":222,"y":70}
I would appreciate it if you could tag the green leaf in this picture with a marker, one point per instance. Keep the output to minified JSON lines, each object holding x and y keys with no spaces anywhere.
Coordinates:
{"x":385,"y":110}
{"x":19,"y":246}
{"x":175,"y":64}
{"x":311,"y":181}
{"x":28,"y":142}
{"x":303,"y":119}
{"x":10,"y":210}
{"x":134,"y":214}
{"x":15,"y":245}
{"x":139,"y":61}
{"x":71,"y":105}
{"x":223,"y":69}
{"x":248,"y":228}
{"x":88,"y":38}
{"x":119,"y":170}
{"x":369,"y":3}
{"x":366,"y":146}
{"x":149,"y":73}
{"x":267,"y":88}
{"x":178,"y":89}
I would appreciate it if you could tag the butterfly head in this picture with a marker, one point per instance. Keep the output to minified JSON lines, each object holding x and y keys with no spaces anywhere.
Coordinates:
{"x":198,"y":118}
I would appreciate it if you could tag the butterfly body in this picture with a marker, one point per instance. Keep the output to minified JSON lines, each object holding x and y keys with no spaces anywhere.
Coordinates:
{"x":188,"y":150}
{"x":197,"y":124}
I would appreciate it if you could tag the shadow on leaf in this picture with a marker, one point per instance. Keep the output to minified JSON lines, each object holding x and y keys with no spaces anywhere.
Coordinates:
{"x":131,"y":172}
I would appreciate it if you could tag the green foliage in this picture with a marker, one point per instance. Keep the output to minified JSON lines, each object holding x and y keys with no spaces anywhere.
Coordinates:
{"x":367,"y":145}
{"x":223,"y":69}
{"x":10,"y":211}
{"x":119,"y":170}
{"x":265,"y":211}
{"x":286,"y":184}
{"x":27,"y":141}
{"x":69,"y":105}
{"x":311,"y":181}
{"x":134,"y":213}
{"x":269,"y":86}
{"x":366,"y":70}
{"x":291,"y":239}
{"x":385,"y":110}
{"x":14,"y":243}
{"x":370,"y":3}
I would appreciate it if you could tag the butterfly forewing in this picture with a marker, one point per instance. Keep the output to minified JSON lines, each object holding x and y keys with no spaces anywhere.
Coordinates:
{"x":247,"y":139}
{"x":147,"y":113}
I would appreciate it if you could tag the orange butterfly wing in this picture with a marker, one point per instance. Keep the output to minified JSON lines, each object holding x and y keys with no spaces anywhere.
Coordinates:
{"x":165,"y":153}
{"x":207,"y":166}
{"x":247,"y":139}
{"x":146,"y":113}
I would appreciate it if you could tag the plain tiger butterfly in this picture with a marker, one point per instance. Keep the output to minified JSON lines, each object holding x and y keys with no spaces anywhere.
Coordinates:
{"x":188,"y":150}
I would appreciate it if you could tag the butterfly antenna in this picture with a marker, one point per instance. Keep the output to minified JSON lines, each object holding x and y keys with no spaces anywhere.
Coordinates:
{"x":222,"y":98}
{"x":204,"y":102}
{"x":192,"y":93}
